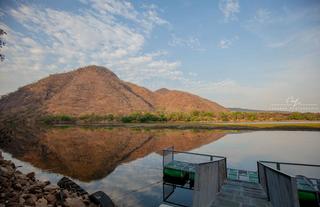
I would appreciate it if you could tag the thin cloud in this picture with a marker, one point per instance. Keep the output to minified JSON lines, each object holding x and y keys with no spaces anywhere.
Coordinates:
{"x":187,"y":42}
{"x":227,"y":43}
{"x":230,"y":9}
{"x":262,"y":16}
{"x":309,"y":37}
{"x":60,"y":40}
{"x":301,"y":76}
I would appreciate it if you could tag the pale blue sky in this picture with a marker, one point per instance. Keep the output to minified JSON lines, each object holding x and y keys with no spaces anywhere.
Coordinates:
{"x":240,"y":53}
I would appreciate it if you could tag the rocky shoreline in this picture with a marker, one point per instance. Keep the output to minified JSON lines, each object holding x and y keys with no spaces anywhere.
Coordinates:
{"x":18,"y":189}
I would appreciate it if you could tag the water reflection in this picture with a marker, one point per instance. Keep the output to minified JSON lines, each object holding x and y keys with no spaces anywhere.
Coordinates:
{"x":126,"y":163}
{"x":90,"y":154}
{"x":244,"y":149}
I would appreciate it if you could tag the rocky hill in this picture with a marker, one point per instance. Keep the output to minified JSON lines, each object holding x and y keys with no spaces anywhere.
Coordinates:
{"x":97,"y":90}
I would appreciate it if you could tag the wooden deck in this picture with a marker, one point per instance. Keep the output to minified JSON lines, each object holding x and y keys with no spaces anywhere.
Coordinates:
{"x":241,"y":194}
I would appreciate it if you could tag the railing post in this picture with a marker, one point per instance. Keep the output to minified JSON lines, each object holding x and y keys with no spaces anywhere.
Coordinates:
{"x":278,"y":166}
{"x":218,"y":176}
{"x":258,"y":172}
{"x":267,"y":184}
{"x":226,"y":168}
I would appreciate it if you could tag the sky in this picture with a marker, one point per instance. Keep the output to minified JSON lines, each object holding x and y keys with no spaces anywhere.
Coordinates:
{"x":240,"y":53}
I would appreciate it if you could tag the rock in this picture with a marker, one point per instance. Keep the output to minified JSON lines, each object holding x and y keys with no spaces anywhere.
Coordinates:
{"x":21,"y":200}
{"x":85,"y":197}
{"x":74,"y":202}
{"x":87,"y":202}
{"x":20,"y":176}
{"x":31,"y":199}
{"x":65,"y":193}
{"x":6,"y":171}
{"x":42,"y":203}
{"x":46,"y":182}
{"x":51,"y":198}
{"x":35,"y":188}
{"x":20,"y":190}
{"x":11,"y":194}
{"x":13,"y":165}
{"x":17,"y":186}
{"x":18,"y":172}
{"x":74,"y":195}
{"x":31,"y":175}
{"x":24,"y":195}
{"x":13,"y":204}
{"x":51,"y":188}
{"x":24,"y":182}
{"x":39,"y":195}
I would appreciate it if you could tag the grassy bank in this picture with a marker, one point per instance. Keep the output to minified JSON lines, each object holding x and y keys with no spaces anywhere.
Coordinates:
{"x":195,"y":116}
{"x":294,"y":126}
{"x":212,"y":126}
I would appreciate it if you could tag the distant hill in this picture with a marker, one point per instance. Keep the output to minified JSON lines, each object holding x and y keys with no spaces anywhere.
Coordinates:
{"x":97,"y":90}
{"x":246,"y":110}
{"x":254,"y":110}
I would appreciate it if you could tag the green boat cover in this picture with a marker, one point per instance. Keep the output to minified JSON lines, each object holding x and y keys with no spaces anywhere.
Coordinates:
{"x":306,"y":191}
{"x":179,"y":170}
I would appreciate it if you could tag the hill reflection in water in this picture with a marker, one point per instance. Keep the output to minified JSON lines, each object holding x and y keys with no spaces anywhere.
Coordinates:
{"x":88,"y":154}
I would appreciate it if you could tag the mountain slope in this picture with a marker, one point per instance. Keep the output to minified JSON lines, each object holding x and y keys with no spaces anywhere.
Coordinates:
{"x":97,"y":90}
{"x":173,"y":100}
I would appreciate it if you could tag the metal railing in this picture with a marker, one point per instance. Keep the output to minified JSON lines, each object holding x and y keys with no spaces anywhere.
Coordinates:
{"x":309,"y":170}
{"x":210,"y":174}
{"x":208,"y":181}
{"x":278,"y":164}
{"x":281,"y":188}
{"x":171,"y":153}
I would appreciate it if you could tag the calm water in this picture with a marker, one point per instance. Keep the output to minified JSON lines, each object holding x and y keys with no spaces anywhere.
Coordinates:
{"x":127,"y":163}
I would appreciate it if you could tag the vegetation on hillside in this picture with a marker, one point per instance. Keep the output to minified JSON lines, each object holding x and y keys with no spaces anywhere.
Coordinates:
{"x":195,"y":116}
{"x":58,"y":119}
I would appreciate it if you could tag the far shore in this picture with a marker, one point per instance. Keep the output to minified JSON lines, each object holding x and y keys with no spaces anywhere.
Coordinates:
{"x":285,"y":126}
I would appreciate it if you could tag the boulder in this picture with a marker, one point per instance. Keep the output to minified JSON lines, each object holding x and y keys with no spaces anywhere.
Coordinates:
{"x":51,"y":198}
{"x":42,"y":203}
{"x":31,"y":200}
{"x":21,"y":200}
{"x":20,"y":190}
{"x":74,"y":202}
{"x":6,"y":171}
{"x":31,"y":175}
{"x":51,"y":188}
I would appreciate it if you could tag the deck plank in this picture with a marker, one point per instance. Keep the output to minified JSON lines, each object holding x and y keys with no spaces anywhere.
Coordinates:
{"x":240,"y":194}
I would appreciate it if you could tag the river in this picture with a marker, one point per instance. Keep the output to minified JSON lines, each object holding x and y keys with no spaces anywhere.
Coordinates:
{"x":127,"y":163}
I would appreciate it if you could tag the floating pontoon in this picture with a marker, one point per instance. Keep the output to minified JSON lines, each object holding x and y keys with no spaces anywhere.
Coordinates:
{"x":200,"y":174}
{"x":210,"y":183}
{"x":303,"y":190}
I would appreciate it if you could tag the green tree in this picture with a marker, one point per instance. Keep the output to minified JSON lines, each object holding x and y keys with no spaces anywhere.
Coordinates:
{"x":224,"y":116}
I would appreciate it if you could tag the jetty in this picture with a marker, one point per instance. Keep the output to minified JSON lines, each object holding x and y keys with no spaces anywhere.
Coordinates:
{"x":193,"y":179}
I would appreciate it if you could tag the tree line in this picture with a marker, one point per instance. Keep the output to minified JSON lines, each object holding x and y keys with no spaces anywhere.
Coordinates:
{"x":194,"y":116}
